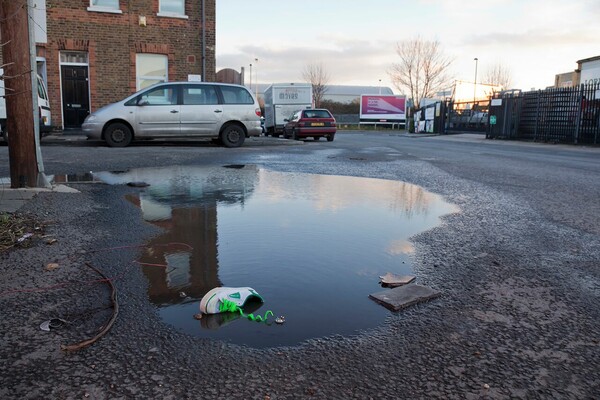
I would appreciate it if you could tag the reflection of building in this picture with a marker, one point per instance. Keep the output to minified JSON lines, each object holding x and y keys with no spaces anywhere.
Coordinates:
{"x":183,"y":200}
{"x":193,"y":270}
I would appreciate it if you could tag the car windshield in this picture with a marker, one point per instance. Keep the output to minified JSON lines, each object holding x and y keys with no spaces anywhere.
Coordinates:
{"x":316,"y":114}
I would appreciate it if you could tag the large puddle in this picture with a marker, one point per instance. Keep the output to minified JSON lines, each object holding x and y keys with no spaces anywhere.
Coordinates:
{"x":313,"y":246}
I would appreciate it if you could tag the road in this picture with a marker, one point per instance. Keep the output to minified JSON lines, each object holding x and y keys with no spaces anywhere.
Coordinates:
{"x":518,"y":268}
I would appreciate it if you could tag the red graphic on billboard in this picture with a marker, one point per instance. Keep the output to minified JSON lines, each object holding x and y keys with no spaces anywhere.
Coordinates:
{"x":383,"y":107}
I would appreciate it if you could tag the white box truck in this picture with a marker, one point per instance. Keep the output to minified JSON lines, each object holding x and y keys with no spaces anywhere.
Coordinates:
{"x":281,"y":101}
{"x":43,"y":108}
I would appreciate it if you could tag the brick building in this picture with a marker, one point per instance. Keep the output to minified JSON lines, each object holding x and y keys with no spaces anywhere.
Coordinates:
{"x":95,"y":52}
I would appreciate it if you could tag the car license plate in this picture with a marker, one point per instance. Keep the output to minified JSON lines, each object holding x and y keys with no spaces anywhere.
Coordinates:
{"x":317,"y":124}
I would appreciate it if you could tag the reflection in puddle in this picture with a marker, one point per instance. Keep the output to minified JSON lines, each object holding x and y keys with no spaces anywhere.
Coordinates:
{"x":313,"y":246}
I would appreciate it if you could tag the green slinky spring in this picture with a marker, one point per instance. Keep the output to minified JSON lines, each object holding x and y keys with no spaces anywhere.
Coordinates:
{"x":229,"y":306}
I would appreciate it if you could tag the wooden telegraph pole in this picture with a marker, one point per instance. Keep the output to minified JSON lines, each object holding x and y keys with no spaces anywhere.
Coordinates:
{"x":14,"y":30}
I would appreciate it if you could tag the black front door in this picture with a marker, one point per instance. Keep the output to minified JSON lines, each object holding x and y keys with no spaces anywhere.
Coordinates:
{"x":75,"y":95}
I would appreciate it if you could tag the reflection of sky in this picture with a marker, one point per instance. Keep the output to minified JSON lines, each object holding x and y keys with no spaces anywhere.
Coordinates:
{"x":315,"y":245}
{"x":312,"y":246}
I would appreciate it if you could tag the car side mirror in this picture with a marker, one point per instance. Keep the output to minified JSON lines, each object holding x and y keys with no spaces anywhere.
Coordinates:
{"x":286,"y":120}
{"x":142,"y":102}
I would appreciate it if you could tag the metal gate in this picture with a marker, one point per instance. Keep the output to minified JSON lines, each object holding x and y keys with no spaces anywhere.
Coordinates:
{"x":467,"y":116}
{"x":557,"y":115}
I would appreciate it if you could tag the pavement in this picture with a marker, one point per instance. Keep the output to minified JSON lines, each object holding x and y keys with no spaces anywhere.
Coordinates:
{"x":11,"y":200}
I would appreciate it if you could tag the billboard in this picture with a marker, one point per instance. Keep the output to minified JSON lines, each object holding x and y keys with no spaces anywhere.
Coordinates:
{"x":382,"y":108}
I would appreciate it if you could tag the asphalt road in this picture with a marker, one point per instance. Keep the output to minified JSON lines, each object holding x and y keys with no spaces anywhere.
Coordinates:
{"x":518,"y":268}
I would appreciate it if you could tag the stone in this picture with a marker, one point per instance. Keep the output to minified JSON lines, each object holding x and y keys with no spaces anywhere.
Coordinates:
{"x":404,"y":296}
{"x":393,"y":280}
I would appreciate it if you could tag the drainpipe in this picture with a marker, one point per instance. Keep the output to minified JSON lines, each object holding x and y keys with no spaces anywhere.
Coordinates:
{"x":204,"y":40}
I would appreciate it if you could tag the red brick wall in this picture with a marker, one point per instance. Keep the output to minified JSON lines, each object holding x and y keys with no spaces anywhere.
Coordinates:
{"x":112,"y":40}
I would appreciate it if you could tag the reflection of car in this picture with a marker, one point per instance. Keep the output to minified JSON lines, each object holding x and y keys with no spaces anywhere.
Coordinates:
{"x":313,"y":123}
{"x":229,"y":113}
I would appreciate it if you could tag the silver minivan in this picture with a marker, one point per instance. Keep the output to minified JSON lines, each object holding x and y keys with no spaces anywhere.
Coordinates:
{"x":228,"y":113}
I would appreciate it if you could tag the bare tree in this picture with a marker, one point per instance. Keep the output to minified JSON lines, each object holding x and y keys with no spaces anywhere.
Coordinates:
{"x":499,"y":75}
{"x":317,"y":76}
{"x":423,"y":69}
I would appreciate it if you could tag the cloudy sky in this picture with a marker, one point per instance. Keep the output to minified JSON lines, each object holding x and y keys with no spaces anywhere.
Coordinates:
{"x":356,"y":40}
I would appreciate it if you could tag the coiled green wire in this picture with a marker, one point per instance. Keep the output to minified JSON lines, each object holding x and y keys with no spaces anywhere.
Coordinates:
{"x":229,"y":306}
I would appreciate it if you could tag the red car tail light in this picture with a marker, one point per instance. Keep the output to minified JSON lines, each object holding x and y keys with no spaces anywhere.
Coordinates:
{"x":258,"y":113}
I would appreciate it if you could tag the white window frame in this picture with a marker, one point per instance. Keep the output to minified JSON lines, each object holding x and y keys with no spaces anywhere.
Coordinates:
{"x":138,"y":78}
{"x":112,"y":10}
{"x":171,"y":14}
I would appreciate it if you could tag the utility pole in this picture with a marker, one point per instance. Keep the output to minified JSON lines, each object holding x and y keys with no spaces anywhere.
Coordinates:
{"x":22,"y":152}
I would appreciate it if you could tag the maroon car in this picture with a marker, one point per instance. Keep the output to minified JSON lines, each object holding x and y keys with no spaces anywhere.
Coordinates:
{"x":313,"y":123}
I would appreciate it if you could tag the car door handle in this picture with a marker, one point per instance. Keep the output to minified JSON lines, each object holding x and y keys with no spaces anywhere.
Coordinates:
{"x":218,"y":111}
{"x":174,"y":111}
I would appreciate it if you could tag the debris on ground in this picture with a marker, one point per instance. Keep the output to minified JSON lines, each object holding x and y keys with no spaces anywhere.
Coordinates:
{"x":24,"y":237}
{"x":393,"y":280}
{"x":16,"y":230}
{"x":138,"y":184}
{"x":51,"y":266}
{"x":53,"y":323}
{"x":404,"y":296}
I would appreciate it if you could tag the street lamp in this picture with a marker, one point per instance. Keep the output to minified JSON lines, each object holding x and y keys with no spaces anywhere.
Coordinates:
{"x":475,"y":85}
{"x":256,"y":72}
{"x":250,"y":83}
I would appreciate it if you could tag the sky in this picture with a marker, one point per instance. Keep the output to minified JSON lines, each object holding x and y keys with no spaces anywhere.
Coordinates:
{"x":356,"y":41}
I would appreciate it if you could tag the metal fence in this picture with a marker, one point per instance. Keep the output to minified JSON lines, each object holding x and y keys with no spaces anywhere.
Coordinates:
{"x":557,"y":115}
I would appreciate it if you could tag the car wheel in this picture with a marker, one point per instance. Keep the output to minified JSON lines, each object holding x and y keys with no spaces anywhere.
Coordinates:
{"x":330,"y":138}
{"x":316,"y":138}
{"x":233,"y":136}
{"x":118,"y":135}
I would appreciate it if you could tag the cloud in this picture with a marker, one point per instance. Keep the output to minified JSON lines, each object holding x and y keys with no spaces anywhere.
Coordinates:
{"x":534,"y":38}
{"x":346,"y":61}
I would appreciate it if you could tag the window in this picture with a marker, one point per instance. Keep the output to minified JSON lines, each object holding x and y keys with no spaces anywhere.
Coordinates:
{"x":161,"y":96}
{"x":104,"y":6}
{"x":150,"y":69}
{"x":199,"y":95}
{"x":41,"y":90}
{"x":171,"y":7}
{"x":236,"y":95}
{"x":73,"y":57}
{"x":317,"y":114}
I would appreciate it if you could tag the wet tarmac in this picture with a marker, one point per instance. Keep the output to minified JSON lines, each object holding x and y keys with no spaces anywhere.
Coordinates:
{"x":519,"y":315}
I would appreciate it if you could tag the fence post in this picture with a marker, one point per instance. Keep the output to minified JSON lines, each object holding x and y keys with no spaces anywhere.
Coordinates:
{"x":579,"y":111}
{"x":537,"y":117}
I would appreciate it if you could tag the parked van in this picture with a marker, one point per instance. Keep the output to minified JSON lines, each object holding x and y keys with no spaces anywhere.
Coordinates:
{"x":227,"y":113}
{"x":43,"y":108}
